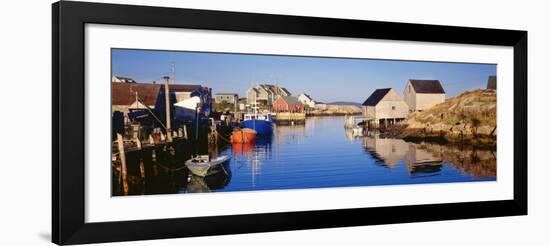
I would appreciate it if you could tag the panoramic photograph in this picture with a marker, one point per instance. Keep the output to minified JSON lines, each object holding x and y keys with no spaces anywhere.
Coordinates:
{"x":199,"y":122}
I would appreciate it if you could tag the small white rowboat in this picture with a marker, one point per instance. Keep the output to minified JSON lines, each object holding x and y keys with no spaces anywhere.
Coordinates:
{"x":202,"y":165}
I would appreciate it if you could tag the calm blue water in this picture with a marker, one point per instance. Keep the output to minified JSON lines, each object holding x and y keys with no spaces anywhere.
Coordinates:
{"x":320,"y":154}
{"x":323,"y":154}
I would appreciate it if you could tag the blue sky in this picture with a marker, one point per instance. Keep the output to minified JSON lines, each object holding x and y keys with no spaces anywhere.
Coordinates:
{"x":325,"y":79}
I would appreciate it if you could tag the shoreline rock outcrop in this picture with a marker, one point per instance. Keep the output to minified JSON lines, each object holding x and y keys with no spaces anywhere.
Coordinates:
{"x":469,"y":117}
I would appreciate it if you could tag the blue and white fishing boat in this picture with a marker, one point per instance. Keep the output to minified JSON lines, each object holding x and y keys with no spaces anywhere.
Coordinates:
{"x":262,"y":123}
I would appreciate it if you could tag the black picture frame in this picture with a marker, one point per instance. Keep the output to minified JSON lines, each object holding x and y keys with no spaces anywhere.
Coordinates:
{"x":68,"y":122}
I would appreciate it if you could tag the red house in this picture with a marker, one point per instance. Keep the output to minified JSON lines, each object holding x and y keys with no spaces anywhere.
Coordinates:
{"x":288,"y":104}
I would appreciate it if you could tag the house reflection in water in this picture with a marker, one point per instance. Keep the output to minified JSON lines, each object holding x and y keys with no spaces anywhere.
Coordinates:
{"x":387,"y":151}
{"x":390,"y":152}
{"x":428,"y":159}
{"x":420,"y":162}
{"x":478,"y":163}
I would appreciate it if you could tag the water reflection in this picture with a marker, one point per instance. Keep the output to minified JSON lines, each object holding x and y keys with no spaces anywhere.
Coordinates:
{"x":319,"y":154}
{"x":251,"y":155}
{"x":421,"y":162}
{"x":196,"y":184}
{"x":427,"y":159}
{"x":387,"y":152}
{"x":478,"y":163}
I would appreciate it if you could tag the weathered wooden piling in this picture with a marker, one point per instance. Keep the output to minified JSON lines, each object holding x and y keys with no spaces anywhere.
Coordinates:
{"x":213,"y":134}
{"x":138,"y":143}
{"x":123,"y":168}
{"x":147,"y":164}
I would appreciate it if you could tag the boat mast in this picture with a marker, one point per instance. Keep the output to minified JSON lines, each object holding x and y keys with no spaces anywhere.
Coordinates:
{"x":255,"y":113}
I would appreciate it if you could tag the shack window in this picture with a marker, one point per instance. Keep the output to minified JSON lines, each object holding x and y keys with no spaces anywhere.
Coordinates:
{"x":392,"y":107}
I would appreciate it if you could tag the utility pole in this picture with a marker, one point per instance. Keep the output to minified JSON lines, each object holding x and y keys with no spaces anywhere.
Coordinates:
{"x":167,"y":101}
{"x":235,"y":102}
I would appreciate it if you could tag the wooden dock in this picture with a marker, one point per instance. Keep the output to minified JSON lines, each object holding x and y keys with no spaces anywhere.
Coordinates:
{"x":287,"y":118}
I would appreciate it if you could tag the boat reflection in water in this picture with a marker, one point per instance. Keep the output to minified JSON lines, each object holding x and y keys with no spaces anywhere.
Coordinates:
{"x":251,"y":155}
{"x":319,"y":154}
{"x":197,"y":184}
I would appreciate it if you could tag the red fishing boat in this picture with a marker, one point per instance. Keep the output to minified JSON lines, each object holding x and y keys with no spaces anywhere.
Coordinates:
{"x":243,"y":135}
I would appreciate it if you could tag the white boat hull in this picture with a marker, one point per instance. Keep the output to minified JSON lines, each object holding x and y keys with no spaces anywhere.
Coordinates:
{"x":205,"y":168}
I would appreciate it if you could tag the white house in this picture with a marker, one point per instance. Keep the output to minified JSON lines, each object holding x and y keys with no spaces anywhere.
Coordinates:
{"x":265,"y":94}
{"x":385,"y":107}
{"x":252,"y":95}
{"x":423,"y":94}
{"x":119,"y":79}
{"x":231,"y":98}
{"x":306,"y":100}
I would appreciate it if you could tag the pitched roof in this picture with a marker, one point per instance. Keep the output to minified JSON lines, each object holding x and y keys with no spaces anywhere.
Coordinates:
{"x":226,"y":94}
{"x":125,"y":79}
{"x":307,"y":96}
{"x":183,"y":88}
{"x":376,"y":97}
{"x":125,"y":93}
{"x":285,"y":91}
{"x":492,"y":82}
{"x":427,"y":86}
{"x":291,"y":99}
{"x":277,"y":90}
{"x":263,"y":86}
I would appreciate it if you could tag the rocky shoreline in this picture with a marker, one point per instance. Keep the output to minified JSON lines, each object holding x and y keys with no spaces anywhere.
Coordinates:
{"x":469,"y":118}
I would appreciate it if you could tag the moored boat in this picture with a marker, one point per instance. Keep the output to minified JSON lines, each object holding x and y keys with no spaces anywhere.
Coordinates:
{"x":354,"y":120}
{"x":262,"y":123}
{"x":244,"y":135}
{"x":203,"y":165}
{"x":357,"y":131}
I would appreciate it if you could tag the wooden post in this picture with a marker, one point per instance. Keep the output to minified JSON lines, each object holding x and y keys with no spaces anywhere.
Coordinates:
{"x":167,"y":104}
{"x":135,"y":130}
{"x":138,"y":143}
{"x":123,"y":170}
{"x":142,"y":170}
{"x":197,"y":122}
{"x":185,"y":131}
{"x":147,"y":161}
